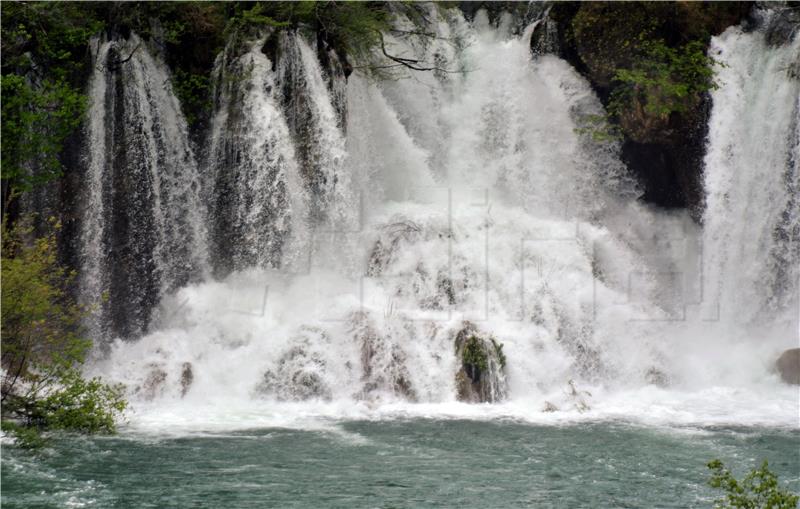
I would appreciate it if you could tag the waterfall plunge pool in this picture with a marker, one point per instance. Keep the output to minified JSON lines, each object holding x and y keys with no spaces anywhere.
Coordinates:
{"x":396,"y":463}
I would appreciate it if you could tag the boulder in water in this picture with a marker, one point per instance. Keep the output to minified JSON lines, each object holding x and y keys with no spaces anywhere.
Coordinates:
{"x":788,"y":366}
{"x":481,"y":377}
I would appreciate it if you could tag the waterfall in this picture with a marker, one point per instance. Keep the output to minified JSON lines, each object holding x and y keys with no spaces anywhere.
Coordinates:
{"x":752,"y":181}
{"x":142,"y":234}
{"x":442,"y":237}
{"x":256,"y":200}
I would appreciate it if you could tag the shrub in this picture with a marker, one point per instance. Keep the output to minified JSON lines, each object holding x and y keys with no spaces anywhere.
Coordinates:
{"x":664,"y":79}
{"x":78,"y":404}
{"x":758,"y":490}
{"x":43,"y":346}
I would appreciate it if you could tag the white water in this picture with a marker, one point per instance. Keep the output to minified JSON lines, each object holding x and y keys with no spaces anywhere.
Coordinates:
{"x":142,"y":177}
{"x":752,"y":182}
{"x":476,"y":201}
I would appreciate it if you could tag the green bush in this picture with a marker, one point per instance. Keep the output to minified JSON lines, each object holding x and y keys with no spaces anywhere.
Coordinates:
{"x":664,"y":79}
{"x":78,"y":404}
{"x":25,"y":436}
{"x":758,"y":490}
{"x":43,"y":343}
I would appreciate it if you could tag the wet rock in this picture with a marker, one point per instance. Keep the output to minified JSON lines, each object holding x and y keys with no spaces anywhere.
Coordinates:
{"x":393,"y":234}
{"x":783,"y":26}
{"x":579,"y":397}
{"x":788,"y":366}
{"x":549,"y":407}
{"x":298,"y":376}
{"x":655,"y":376}
{"x":383,"y":362}
{"x":481,"y":377}
{"x":187,"y":377}
{"x":664,"y":152}
{"x":154,"y":383}
{"x":544,"y":39}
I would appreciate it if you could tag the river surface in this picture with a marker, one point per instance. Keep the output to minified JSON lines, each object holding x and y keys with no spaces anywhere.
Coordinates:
{"x":396,"y":463}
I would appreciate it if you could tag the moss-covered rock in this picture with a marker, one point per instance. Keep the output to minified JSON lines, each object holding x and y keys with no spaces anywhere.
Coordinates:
{"x":481,"y":377}
{"x":635,"y":55}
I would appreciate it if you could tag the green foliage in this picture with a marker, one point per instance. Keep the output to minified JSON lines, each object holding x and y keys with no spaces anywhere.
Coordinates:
{"x":43,"y":345}
{"x":758,"y":490}
{"x":41,"y":328}
{"x":664,"y":79}
{"x":194,"y":93}
{"x":352,"y":28}
{"x":474,"y":355}
{"x":25,"y":436}
{"x":44,"y":45}
{"x":599,"y":127}
{"x":37,"y":119}
{"x":48,"y":39}
{"x":78,"y":404}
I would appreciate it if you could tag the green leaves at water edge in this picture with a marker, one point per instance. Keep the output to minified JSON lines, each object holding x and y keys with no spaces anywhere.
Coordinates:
{"x":758,"y":490}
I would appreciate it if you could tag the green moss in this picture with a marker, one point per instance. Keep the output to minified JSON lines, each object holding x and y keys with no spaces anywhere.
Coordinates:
{"x":498,"y":351}
{"x":647,"y":60}
{"x":474,"y":354}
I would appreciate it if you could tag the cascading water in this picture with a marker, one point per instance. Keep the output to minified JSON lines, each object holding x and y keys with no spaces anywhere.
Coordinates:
{"x":255,"y":198}
{"x":142,"y":234}
{"x":752,"y":181}
{"x":455,"y":237}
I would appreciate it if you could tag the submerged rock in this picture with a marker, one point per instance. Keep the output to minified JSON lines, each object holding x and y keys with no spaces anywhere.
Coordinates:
{"x":788,"y":366}
{"x":481,"y":377}
{"x":187,"y":377}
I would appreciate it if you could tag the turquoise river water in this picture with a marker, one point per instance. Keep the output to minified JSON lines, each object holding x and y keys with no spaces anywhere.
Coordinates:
{"x":393,"y":464}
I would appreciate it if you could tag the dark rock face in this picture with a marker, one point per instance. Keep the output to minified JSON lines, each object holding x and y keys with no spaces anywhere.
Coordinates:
{"x":187,"y":377}
{"x":481,"y":375}
{"x":663,"y":152}
{"x":783,"y":25}
{"x":788,"y":366}
{"x":133,"y":278}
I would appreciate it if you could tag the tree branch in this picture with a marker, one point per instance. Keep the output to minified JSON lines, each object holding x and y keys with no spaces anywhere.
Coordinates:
{"x":117,"y":64}
{"x":411,"y":63}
